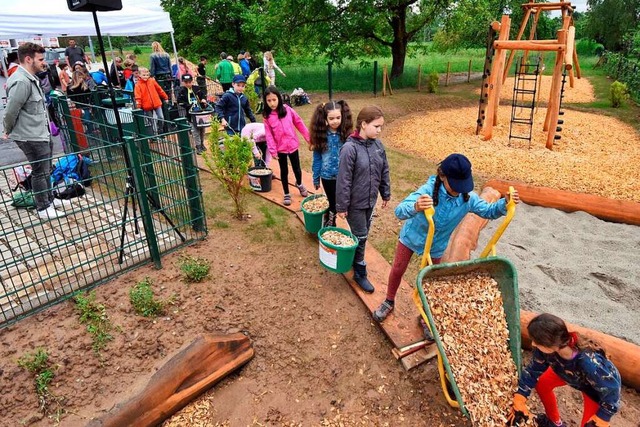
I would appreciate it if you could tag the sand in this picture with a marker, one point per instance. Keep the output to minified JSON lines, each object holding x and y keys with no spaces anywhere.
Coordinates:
{"x":576,"y":266}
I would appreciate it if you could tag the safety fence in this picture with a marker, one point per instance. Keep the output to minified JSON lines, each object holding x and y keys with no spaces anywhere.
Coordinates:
{"x":143,"y":201}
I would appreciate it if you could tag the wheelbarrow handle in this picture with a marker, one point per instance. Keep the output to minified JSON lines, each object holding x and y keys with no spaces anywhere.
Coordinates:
{"x":490,"y":249}
{"x":426,"y":256}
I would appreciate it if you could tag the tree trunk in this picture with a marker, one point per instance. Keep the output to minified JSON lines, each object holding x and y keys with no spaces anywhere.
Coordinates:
{"x":400,"y":41}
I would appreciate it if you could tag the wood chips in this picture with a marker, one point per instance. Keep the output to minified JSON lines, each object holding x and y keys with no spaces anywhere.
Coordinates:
{"x":337,"y":238}
{"x":581,"y":92}
{"x":317,"y":204}
{"x":470,"y":319}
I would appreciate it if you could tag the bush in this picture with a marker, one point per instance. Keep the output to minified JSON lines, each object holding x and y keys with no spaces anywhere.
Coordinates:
{"x":137,"y":50}
{"x":433,"y":82}
{"x":586,"y":47}
{"x":194,"y":269}
{"x":618,"y":94}
{"x":142,"y":300}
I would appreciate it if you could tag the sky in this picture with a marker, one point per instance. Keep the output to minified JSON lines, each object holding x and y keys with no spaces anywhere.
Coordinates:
{"x":579,"y":5}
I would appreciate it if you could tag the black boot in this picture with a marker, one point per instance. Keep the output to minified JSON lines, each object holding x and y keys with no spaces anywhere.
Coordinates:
{"x":331,"y":219}
{"x":360,"y":277}
{"x":325,"y":219}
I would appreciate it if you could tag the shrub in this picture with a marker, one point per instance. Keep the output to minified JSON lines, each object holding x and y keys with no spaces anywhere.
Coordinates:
{"x":618,"y":94}
{"x":142,"y":300}
{"x":137,"y":50}
{"x":587,"y":47}
{"x":94,"y":315}
{"x":194,"y":269}
{"x":38,"y":364}
{"x":433,"y":82}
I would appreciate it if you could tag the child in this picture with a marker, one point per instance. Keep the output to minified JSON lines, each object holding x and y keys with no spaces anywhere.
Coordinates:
{"x":149,"y":96}
{"x":363,"y":172}
{"x":232,"y":107}
{"x":331,"y":125}
{"x":450,"y":193}
{"x":131,"y":83}
{"x":280,"y":124}
{"x":559,"y":358}
{"x":270,"y":67}
{"x":255,"y":133}
{"x":188,"y":98}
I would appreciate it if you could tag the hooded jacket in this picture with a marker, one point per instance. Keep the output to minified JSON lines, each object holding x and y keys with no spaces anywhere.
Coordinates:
{"x":25,"y":116}
{"x":363,"y":172}
{"x":149,"y":95}
{"x":281,"y":132}
{"x":232,"y":107}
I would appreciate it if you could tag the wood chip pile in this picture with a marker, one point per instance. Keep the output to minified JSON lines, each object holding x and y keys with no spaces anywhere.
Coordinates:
{"x":471,"y":322}
{"x":261,"y":172}
{"x":337,"y":238}
{"x":317,"y":204}
{"x":596,"y":155}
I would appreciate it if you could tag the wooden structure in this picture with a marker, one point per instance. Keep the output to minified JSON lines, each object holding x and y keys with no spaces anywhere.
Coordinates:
{"x":563,"y":47}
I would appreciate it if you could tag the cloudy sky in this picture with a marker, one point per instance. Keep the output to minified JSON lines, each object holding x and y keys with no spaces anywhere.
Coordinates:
{"x":580,"y":5}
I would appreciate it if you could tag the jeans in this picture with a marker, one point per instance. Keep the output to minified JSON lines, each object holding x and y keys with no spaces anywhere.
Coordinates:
{"x":360,"y":223}
{"x":284,"y":169}
{"x":198,"y":135}
{"x":39,"y":155}
{"x":159,"y":116}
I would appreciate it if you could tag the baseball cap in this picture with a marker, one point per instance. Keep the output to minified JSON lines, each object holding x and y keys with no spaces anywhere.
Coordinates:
{"x":457,"y":169}
{"x":187,"y":78}
{"x":239,"y":78}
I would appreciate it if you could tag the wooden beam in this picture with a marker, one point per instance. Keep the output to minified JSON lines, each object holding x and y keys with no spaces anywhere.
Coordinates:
{"x":512,"y":53}
{"x":495,"y":81}
{"x":576,"y":63}
{"x":553,"y":106}
{"x":529,"y":45}
{"x":548,"y":6}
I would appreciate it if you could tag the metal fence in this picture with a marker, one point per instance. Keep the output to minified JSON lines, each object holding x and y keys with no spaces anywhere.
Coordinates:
{"x":144,"y":200}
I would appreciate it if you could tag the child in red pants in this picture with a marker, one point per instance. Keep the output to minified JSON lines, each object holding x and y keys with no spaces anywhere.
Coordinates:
{"x":560,"y":359}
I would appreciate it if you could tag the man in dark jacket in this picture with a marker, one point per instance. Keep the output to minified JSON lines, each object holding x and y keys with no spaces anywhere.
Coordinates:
{"x":232,"y":107}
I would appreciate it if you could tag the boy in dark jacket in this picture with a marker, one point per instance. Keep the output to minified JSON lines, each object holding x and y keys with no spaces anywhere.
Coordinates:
{"x":188,"y":98}
{"x":233,"y":106}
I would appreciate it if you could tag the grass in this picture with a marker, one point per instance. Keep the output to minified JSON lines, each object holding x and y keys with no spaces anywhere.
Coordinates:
{"x":94,"y":315}
{"x":37,"y":363}
{"x":143,"y":301}
{"x":194,"y":270}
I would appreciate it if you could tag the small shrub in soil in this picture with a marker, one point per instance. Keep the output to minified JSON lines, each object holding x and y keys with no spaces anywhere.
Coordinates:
{"x":432,"y":82}
{"x":618,"y":94}
{"x":194,"y":269}
{"x":38,"y":364}
{"x":94,"y":315}
{"x":143,"y":301}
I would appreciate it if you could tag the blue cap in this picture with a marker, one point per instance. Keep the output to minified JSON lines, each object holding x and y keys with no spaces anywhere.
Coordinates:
{"x":239,"y":78}
{"x":457,"y":169}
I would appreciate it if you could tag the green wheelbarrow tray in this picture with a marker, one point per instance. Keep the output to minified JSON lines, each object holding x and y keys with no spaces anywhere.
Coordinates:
{"x":504,"y":273}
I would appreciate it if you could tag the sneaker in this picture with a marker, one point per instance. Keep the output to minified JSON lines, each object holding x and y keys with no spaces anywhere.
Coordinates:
{"x":61,"y":203}
{"x":383,"y":311}
{"x":425,"y":329}
{"x":287,"y":200}
{"x":303,"y":190}
{"x":50,"y":213}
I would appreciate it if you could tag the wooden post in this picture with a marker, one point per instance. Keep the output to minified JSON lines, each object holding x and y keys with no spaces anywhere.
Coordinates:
{"x":419,"y":76}
{"x":495,"y":81}
{"x":389,"y":83}
{"x":446,"y":82}
{"x":384,"y":80}
{"x":532,"y":33}
{"x":553,"y":106}
{"x":469,"y":72}
{"x":512,"y":53}
{"x":576,"y":63}
{"x":568,"y":53}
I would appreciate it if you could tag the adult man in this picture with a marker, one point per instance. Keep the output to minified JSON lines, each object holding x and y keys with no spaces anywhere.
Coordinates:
{"x":26,"y":122}
{"x":74,"y":54}
{"x":201,"y":79}
{"x":224,"y":72}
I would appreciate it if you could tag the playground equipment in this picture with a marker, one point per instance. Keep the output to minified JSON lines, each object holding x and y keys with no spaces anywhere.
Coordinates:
{"x":496,"y":71}
{"x":501,"y":270}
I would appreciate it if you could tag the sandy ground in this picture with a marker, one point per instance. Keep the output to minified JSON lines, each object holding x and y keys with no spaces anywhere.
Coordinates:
{"x":581,"y":92}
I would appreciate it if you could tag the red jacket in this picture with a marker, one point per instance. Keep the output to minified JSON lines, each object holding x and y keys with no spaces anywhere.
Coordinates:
{"x":149,"y":94}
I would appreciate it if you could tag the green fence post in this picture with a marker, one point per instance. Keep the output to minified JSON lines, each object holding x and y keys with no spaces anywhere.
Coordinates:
{"x":194,"y":192}
{"x":62,"y":102}
{"x":143,"y":202}
{"x":139,"y":119}
{"x":147,"y":158}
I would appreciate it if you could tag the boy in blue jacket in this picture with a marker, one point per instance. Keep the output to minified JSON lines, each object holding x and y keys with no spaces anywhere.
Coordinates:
{"x":450,"y":193}
{"x":233,"y":106}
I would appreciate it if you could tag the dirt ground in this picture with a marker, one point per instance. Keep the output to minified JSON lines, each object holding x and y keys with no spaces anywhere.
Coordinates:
{"x":320,"y":359}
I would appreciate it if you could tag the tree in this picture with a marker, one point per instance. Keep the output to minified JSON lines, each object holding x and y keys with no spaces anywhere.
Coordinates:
{"x":609,"y":21}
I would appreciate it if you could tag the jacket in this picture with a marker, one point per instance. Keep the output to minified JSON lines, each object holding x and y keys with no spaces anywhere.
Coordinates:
{"x":449,"y":213}
{"x":25,"y":116}
{"x":186,"y":101}
{"x":232,"y":107}
{"x":237,"y":69}
{"x":224,"y":71}
{"x":130,"y":87}
{"x":362,"y":173}
{"x":325,"y":165}
{"x":589,"y":372}
{"x":246,"y":69}
{"x":160,"y":64}
{"x":149,"y":95}
{"x":281,"y":132}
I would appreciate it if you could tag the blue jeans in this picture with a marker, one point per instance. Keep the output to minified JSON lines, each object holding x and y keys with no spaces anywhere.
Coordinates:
{"x":39,"y":155}
{"x":159,"y":116}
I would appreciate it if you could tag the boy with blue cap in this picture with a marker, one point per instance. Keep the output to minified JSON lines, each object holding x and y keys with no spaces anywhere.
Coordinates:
{"x":233,"y":105}
{"x":451,"y":193}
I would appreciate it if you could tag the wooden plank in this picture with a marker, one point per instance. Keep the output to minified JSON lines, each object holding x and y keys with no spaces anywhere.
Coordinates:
{"x":414,"y":359}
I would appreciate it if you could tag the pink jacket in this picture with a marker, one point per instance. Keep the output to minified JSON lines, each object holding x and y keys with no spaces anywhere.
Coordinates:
{"x":281,"y":133}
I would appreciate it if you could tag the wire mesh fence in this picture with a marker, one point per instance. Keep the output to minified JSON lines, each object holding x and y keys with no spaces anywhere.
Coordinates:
{"x":144,"y":199}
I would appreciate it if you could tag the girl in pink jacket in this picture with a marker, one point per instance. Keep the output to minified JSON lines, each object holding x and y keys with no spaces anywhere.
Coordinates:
{"x":280,"y":123}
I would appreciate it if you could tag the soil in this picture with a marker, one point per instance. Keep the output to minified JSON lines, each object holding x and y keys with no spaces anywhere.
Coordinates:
{"x":320,"y":359}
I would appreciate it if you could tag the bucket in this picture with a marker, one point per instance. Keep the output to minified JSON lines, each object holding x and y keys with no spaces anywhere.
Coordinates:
{"x":312,"y":220}
{"x":260,"y":177}
{"x":336,"y":258}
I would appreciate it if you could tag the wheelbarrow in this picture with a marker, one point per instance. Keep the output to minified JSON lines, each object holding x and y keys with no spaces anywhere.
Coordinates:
{"x":500,"y":269}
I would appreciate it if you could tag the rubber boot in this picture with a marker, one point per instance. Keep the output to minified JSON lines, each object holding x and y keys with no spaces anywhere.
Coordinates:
{"x":360,"y":277}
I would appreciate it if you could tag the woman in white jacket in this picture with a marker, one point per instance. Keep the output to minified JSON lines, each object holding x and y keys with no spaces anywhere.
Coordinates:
{"x":270,"y":67}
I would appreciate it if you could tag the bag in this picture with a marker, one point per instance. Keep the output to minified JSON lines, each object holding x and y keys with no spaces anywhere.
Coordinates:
{"x":23,"y":177}
{"x":75,"y":189}
{"x":24,"y":199}
{"x":54,"y":129}
{"x":82,"y":170}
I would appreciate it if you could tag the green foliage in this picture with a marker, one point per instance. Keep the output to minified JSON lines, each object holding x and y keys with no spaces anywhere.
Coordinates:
{"x":194,"y":269}
{"x":94,"y":315}
{"x":587,"y":47}
{"x":252,"y":96}
{"x":229,"y":164}
{"x":623,"y":69}
{"x":432,"y":82}
{"x":609,"y":21}
{"x":38,"y":364}
{"x":142,"y":300}
{"x":618,"y":94}
{"x":137,"y":50}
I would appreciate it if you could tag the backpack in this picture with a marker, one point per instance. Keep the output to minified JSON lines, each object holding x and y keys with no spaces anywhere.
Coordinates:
{"x":24,"y":199}
{"x":23,"y":177}
{"x":72,"y":167}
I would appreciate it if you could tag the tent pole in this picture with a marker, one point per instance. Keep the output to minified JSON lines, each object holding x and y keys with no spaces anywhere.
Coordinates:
{"x":111,"y":48}
{"x":93,"y":55}
{"x":175,"y":51}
